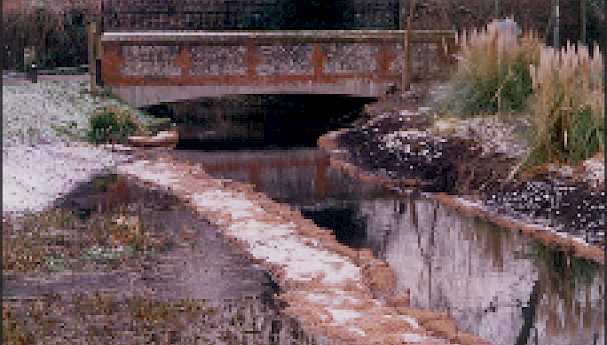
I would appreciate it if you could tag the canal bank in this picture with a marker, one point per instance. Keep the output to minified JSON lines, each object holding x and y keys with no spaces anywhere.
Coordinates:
{"x":447,"y":165}
{"x":333,"y":290}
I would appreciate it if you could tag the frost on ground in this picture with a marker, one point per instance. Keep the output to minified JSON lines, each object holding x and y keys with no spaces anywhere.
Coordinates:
{"x":325,"y":290}
{"x":38,"y":165}
{"x":50,"y":110}
{"x":35,"y":176}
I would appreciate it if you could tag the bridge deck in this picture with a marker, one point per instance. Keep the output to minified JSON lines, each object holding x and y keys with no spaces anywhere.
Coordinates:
{"x":163,"y":66}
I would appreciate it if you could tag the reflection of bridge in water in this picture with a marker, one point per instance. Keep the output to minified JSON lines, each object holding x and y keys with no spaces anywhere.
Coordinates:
{"x":264,"y":169}
{"x":151,"y":67}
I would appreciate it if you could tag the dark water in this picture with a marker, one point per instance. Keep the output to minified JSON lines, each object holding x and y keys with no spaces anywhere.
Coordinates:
{"x":495,"y":283}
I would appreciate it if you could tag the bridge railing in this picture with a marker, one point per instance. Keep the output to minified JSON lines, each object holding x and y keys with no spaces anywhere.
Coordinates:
{"x":248,"y":15}
{"x":206,"y":58}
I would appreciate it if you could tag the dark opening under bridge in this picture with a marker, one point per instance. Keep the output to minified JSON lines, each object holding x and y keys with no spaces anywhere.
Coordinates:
{"x":151,"y":67}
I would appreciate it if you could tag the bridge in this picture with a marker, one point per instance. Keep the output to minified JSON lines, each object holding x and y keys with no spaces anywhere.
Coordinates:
{"x":152,"y":67}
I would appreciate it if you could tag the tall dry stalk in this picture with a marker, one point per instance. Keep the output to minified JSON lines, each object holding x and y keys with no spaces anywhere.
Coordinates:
{"x":569,"y":108}
{"x":493,"y":72}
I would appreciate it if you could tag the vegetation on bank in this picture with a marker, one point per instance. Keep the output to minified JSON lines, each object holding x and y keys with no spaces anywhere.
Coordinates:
{"x":560,"y":93}
{"x":61,"y":240}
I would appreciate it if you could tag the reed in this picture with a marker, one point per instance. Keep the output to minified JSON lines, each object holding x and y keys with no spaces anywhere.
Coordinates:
{"x":568,"y":107}
{"x":493,"y":73}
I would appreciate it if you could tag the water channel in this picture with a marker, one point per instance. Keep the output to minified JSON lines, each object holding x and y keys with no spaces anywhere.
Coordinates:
{"x":495,"y":283}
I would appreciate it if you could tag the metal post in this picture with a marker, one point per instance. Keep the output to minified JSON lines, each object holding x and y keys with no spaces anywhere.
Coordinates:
{"x":34,"y":73}
{"x":497,"y":9}
{"x":92,"y":57}
{"x":556,"y":26}
{"x":583,"y":21}
{"x":407,"y":53}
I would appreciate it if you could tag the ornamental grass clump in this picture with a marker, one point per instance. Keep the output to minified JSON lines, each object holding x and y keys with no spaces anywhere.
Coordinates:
{"x":568,"y":108}
{"x":114,"y":125}
{"x":493,"y":73}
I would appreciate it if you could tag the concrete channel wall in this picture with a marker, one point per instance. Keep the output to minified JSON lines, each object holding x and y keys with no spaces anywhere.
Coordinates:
{"x":147,"y":68}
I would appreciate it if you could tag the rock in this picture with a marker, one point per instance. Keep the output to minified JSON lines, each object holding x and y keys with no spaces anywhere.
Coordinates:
{"x":161,"y":139}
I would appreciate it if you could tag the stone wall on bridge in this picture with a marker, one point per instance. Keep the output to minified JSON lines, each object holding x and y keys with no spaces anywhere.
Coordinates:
{"x":290,"y":59}
{"x":154,"y":67}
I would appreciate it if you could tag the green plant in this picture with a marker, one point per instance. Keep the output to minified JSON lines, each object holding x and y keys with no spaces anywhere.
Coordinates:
{"x":112,"y":124}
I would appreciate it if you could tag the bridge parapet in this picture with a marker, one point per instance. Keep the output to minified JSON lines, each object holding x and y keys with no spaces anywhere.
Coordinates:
{"x":141,"y":65}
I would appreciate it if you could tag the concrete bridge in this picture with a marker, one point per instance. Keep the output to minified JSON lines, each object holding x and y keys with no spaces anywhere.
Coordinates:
{"x":151,"y":67}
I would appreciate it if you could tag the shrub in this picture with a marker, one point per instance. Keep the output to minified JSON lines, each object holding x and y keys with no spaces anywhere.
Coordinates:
{"x":492,"y":75}
{"x":59,"y":35}
{"x":111,"y":124}
{"x":568,"y":106}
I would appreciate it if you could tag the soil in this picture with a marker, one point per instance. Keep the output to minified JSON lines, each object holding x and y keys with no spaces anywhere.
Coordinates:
{"x":452,"y":165}
{"x":205,"y":268}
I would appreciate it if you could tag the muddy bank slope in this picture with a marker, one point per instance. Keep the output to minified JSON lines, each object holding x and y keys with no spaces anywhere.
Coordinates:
{"x":399,"y":147}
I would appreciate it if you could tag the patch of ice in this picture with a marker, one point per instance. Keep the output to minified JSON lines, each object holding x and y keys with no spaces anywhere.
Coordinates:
{"x":237,"y":208}
{"x":412,"y":321}
{"x":357,"y":330}
{"x":413,"y":338}
{"x":468,"y":203}
{"x":570,"y":237}
{"x":343,"y":315}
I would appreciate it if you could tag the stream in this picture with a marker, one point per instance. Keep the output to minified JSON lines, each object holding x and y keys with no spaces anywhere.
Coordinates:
{"x":495,"y":283}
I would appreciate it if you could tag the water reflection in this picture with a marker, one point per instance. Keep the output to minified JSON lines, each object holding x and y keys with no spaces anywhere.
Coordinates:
{"x":494,"y":283}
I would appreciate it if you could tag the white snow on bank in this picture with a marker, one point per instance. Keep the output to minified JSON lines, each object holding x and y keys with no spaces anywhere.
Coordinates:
{"x":491,"y":134}
{"x":39,"y":165}
{"x":34,"y":177}
{"x":595,"y":170}
{"x":50,"y":109}
{"x":275,"y":241}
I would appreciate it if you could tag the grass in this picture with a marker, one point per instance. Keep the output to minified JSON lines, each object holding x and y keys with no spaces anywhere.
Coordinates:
{"x":568,"y":108}
{"x":60,"y":240}
{"x":60,"y":110}
{"x":111,"y":124}
{"x":516,"y":79}
{"x":492,"y":75}
{"x":103,"y":318}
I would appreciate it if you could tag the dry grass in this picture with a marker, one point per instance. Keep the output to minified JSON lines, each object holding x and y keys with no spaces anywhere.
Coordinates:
{"x":493,"y":73}
{"x":108,"y":318}
{"x":59,"y":240}
{"x":568,"y":108}
{"x":512,"y":78}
